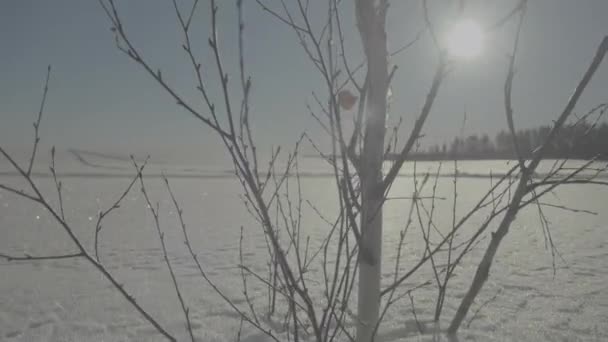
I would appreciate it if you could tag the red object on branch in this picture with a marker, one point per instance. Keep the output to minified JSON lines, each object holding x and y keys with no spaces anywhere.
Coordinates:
{"x":346,"y":99}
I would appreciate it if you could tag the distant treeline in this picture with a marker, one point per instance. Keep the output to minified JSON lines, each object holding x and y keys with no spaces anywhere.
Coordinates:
{"x":582,"y":141}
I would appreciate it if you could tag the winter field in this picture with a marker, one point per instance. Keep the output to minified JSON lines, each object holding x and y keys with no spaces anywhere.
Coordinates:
{"x":70,"y":301}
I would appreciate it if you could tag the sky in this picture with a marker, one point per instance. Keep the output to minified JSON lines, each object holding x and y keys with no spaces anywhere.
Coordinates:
{"x":101,"y":100}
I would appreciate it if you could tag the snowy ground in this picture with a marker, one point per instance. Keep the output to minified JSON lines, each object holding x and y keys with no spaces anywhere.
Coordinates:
{"x":69,"y":300}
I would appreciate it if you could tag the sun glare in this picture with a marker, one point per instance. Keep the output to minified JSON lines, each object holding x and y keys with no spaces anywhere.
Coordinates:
{"x":465,"y":39}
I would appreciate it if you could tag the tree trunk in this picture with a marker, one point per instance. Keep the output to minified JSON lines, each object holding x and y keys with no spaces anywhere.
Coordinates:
{"x":371,"y":16}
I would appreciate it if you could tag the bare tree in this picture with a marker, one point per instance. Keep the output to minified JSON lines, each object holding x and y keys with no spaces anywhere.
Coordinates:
{"x":348,"y":258}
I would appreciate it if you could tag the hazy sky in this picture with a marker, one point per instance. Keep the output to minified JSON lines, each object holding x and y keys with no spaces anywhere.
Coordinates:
{"x":101,"y":100}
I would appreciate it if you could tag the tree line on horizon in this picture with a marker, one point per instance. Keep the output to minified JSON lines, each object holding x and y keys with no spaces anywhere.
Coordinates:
{"x":582,"y":141}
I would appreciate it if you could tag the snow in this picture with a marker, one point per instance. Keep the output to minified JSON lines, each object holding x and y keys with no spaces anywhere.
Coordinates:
{"x":70,"y":301}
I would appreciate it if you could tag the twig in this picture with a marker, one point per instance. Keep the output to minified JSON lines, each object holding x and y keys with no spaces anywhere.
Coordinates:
{"x":244,"y":279}
{"x":58,"y":184}
{"x":27,"y":257}
{"x":37,"y":123}
{"x":116,"y":205}
{"x":420,"y":327}
{"x":161,"y":236}
{"x":202,"y":272}
{"x":488,"y":301}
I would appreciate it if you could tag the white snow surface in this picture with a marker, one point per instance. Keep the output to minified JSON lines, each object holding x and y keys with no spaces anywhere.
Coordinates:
{"x":68,"y":300}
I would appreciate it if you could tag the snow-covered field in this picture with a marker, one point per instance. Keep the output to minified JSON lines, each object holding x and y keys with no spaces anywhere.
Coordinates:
{"x":70,"y":301}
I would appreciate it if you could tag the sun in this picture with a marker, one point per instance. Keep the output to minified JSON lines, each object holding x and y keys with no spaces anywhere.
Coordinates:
{"x":465,"y":39}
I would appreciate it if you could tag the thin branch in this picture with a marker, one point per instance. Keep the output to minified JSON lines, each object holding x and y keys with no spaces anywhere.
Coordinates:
{"x":19,"y":192}
{"x":414,"y":135}
{"x":562,"y":207}
{"x":161,"y":236}
{"x":202,"y":272}
{"x":484,"y":304}
{"x":37,"y":123}
{"x":508,"y":90}
{"x":281,"y":18}
{"x":58,"y":184}
{"x":116,"y":205}
{"x":27,"y":257}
